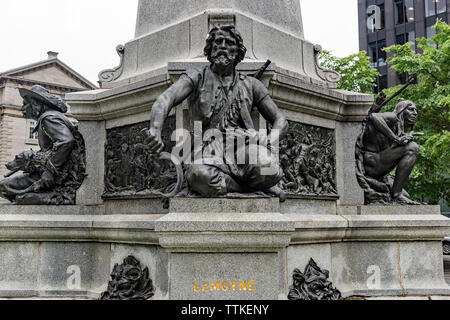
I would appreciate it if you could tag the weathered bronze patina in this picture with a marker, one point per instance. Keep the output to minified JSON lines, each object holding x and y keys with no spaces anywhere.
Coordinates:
{"x":129,"y":282}
{"x":386,"y":144}
{"x":313,"y":284}
{"x":52,"y":175}
{"x":220,"y":98}
{"x":308,"y":159}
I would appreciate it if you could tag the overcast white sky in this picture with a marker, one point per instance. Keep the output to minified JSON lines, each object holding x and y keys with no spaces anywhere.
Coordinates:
{"x":86,"y":32}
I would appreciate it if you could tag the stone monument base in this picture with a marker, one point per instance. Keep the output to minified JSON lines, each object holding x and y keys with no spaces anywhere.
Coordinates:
{"x":222,"y":249}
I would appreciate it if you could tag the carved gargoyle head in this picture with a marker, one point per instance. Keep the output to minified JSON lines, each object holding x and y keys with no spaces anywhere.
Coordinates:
{"x":313,"y":284}
{"x":129,"y":282}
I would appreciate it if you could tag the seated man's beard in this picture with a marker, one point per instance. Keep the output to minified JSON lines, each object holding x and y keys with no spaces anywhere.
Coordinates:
{"x":223,"y":60}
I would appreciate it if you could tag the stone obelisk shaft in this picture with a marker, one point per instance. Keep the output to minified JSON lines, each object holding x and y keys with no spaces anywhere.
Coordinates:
{"x":173,"y":31}
{"x":157,"y":14}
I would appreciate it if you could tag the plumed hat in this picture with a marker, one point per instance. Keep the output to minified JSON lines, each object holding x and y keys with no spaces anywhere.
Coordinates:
{"x":40,"y":93}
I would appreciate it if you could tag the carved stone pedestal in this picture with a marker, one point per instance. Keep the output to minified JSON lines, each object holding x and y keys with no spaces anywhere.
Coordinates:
{"x":221,"y":249}
{"x":382,"y":251}
{"x":225,"y":248}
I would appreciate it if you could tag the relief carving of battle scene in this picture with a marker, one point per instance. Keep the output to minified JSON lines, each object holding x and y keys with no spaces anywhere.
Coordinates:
{"x":307,"y":156}
{"x":130,"y":169}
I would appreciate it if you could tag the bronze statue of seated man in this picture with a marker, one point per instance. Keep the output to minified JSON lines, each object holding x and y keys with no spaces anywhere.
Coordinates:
{"x":384,"y":146}
{"x":51,"y":175}
{"x":221,"y":99}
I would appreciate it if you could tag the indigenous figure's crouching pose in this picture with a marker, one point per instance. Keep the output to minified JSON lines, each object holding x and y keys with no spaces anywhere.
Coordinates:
{"x":221,"y":99}
{"x":52,"y":175}
{"x":384,"y":146}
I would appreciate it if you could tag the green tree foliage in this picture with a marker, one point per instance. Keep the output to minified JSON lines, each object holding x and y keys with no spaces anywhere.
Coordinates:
{"x":355,"y":70}
{"x":430,"y":179}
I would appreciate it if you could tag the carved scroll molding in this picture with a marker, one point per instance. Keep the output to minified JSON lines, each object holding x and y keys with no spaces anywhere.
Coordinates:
{"x":110,"y":75}
{"x":313,"y":284}
{"x":324,"y":74}
{"x":129,"y":282}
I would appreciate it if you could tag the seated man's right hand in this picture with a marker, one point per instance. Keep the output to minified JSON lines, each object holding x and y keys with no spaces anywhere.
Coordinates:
{"x":154,"y":142}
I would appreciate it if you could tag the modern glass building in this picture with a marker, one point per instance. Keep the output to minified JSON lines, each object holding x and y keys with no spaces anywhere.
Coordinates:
{"x":383,"y":23}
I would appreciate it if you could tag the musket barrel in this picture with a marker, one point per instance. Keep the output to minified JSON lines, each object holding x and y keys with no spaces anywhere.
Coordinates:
{"x":410,"y":82}
{"x":261,"y":71}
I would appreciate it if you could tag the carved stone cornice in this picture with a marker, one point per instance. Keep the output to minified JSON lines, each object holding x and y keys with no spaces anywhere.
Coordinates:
{"x":47,"y":85}
{"x":18,"y":73}
{"x":288,"y":91}
{"x":100,"y":105}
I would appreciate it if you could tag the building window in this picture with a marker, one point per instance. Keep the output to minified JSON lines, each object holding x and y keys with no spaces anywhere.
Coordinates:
{"x":375,"y":18}
{"x":430,"y":32}
{"x":373,"y":54}
{"x":32,"y":135}
{"x":404,"y":11}
{"x":381,"y":53}
{"x":400,"y":14}
{"x":407,"y":37}
{"x":400,"y":39}
{"x":411,"y":37}
{"x":430,"y":9}
{"x":381,"y":84}
{"x":441,"y":6}
{"x":410,"y":12}
{"x":433,"y":7}
{"x":402,"y":77}
{"x":377,"y":55}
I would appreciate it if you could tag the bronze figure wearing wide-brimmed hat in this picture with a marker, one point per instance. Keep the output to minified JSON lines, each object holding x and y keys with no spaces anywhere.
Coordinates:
{"x":52,"y":175}
{"x":41,"y":94}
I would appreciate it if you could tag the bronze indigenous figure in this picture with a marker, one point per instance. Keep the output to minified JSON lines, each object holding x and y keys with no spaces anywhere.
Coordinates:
{"x":386,"y":143}
{"x":52,"y":175}
{"x":222,"y":99}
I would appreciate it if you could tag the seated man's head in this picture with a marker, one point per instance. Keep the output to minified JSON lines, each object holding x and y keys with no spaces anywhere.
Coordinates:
{"x":406,"y":112}
{"x":224,"y":46}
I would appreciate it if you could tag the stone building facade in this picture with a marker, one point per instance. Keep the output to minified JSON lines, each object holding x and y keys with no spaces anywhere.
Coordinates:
{"x":16,"y":133}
